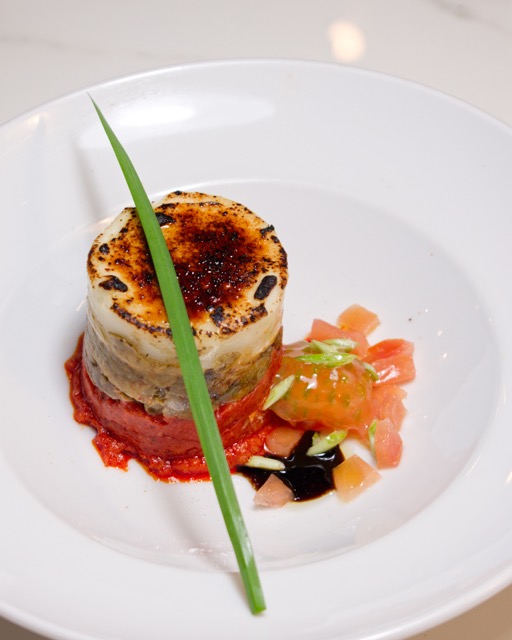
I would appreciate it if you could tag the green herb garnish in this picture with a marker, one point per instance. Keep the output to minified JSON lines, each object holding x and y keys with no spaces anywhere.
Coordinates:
{"x":263,"y":462}
{"x":278,"y":391}
{"x":334,"y":345}
{"x":328,"y":359}
{"x":193,"y":376}
{"x":371,"y":435}
{"x":321,"y":444}
{"x":371,"y":370}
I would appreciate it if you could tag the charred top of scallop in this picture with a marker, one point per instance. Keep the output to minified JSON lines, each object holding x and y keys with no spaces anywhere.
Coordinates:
{"x":228,"y":261}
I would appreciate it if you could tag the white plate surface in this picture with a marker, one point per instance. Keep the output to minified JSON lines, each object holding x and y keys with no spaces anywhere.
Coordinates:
{"x":384,"y":193}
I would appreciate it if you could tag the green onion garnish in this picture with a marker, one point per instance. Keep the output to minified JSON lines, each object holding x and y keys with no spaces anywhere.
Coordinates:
{"x":371,"y":370}
{"x":193,"y":376}
{"x":335,"y":345}
{"x":371,"y":435}
{"x":262,"y":462}
{"x":328,"y":359}
{"x":278,"y":391}
{"x":326,"y":443}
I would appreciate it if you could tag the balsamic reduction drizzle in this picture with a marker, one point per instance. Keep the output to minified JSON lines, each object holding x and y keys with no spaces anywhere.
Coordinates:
{"x":307,"y":476}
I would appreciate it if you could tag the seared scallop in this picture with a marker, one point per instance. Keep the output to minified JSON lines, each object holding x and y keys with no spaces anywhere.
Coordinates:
{"x":232,"y":271}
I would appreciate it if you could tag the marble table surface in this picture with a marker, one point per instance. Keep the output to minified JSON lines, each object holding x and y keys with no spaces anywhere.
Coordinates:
{"x":463,"y":48}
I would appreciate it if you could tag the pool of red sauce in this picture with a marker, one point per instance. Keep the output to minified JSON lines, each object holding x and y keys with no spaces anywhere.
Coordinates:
{"x":168,"y":448}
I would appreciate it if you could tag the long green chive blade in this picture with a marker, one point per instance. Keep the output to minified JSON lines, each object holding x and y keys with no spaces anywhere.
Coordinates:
{"x":193,"y":376}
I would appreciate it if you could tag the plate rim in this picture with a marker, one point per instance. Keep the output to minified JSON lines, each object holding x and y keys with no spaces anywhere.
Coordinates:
{"x":495,"y":585}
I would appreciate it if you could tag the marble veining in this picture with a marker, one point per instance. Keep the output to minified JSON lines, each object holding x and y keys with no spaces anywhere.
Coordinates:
{"x":478,"y":12}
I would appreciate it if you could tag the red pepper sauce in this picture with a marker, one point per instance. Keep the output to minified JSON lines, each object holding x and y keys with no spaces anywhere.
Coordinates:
{"x":168,"y":448}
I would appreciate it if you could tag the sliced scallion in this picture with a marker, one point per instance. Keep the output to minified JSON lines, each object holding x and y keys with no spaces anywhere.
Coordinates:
{"x":328,"y":359}
{"x":371,"y":370}
{"x":342,"y":344}
{"x":262,"y":462}
{"x":321,"y":444}
{"x":193,"y":376}
{"x":371,"y":435}
{"x":336,"y":345}
{"x":278,"y":391}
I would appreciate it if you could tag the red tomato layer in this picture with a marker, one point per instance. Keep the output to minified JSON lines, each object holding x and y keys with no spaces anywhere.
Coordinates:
{"x":168,"y":448}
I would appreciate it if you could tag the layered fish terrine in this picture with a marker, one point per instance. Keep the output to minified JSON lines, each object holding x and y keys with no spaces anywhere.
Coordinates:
{"x":125,"y":377}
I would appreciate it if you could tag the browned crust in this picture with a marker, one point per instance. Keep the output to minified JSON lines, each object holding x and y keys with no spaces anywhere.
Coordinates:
{"x":219,"y":248}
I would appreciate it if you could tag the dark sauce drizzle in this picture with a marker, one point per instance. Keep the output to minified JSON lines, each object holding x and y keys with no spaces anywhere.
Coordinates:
{"x":308,"y":477}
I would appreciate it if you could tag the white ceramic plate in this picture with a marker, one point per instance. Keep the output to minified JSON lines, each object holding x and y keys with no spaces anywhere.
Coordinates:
{"x":384,"y":193}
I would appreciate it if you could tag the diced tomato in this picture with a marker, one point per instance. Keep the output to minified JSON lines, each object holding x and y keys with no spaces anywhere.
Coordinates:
{"x":321,"y":330}
{"x":325,"y":396}
{"x":358,"y":318}
{"x":387,"y":402}
{"x":273,"y":493}
{"x":390,"y":347}
{"x":281,"y":441}
{"x":353,"y":476}
{"x":387,"y":444}
{"x":393,"y":360}
{"x":335,"y":397}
